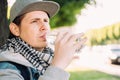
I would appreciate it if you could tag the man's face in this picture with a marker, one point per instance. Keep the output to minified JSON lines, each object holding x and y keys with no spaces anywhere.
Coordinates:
{"x":33,"y":29}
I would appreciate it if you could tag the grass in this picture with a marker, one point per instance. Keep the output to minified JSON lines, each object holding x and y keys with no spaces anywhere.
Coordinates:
{"x":91,"y":75}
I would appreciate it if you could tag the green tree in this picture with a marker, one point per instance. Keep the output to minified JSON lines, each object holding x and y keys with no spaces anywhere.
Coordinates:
{"x":68,"y":11}
{"x":107,"y":35}
{"x":3,"y":22}
{"x":116,"y":30}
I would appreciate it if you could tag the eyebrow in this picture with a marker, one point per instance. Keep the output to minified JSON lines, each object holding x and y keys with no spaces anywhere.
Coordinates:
{"x":39,"y":18}
{"x":36,"y":19}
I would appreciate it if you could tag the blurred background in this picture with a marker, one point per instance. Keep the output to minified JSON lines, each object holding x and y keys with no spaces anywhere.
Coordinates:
{"x":99,"y":20}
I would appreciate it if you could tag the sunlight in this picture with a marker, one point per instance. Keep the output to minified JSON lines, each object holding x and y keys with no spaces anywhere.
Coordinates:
{"x":106,"y":12}
{"x":11,"y":2}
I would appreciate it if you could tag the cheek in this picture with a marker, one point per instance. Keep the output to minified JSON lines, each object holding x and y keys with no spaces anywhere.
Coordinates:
{"x":31,"y":33}
{"x":28,"y":36}
{"x":48,"y":27}
{"x":27,"y":32}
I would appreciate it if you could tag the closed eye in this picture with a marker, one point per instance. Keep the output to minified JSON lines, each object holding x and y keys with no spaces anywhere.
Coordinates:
{"x":34,"y":21}
{"x":37,"y":20}
{"x":46,"y":20}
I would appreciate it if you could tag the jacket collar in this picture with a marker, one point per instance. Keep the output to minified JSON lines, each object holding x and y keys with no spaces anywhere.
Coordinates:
{"x":14,"y":57}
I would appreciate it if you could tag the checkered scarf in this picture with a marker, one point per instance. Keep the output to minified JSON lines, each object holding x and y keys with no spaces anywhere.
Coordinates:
{"x":40,"y":60}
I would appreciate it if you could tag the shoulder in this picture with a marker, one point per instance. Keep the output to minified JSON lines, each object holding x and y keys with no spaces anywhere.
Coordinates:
{"x":14,"y":57}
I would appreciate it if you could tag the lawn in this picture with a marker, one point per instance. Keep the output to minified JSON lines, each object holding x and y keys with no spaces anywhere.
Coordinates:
{"x":92,"y":75}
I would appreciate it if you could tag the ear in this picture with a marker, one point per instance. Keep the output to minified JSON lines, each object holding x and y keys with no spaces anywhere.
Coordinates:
{"x":14,"y":29}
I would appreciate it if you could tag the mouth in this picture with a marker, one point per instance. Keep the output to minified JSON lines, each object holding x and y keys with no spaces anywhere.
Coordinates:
{"x":43,"y":37}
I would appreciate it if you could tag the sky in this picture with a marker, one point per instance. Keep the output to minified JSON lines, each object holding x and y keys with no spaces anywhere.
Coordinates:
{"x":105,"y":12}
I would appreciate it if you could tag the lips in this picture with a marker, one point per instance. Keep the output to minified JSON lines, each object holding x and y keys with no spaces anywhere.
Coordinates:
{"x":43,"y":37}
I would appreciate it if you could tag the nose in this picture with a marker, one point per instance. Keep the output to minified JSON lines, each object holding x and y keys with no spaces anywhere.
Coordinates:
{"x":44,"y":27}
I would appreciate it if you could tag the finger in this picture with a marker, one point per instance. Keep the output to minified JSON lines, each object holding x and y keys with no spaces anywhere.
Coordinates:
{"x":74,"y":38}
{"x":80,"y":43}
{"x":76,"y":56}
{"x":79,"y":48}
{"x":60,"y":35}
{"x":66,"y":37}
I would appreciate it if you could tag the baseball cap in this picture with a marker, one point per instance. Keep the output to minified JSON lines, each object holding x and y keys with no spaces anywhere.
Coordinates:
{"x":24,"y":6}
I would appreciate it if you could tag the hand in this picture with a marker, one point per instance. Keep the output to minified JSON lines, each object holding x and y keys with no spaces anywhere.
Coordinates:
{"x":65,"y":48}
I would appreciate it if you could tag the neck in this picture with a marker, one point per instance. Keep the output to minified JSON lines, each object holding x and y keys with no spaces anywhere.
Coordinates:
{"x":39,"y":49}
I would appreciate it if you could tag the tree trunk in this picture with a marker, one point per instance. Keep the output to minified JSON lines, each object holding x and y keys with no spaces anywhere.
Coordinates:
{"x":4,"y":31}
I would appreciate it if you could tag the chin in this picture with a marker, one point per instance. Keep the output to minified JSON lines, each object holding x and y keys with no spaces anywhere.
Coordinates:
{"x":39,"y":48}
{"x":43,"y":45}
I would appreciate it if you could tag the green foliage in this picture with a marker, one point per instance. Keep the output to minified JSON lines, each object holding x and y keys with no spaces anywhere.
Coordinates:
{"x":91,"y":75}
{"x":116,"y":30}
{"x":68,"y":11}
{"x":107,"y":35}
{"x":110,"y":32}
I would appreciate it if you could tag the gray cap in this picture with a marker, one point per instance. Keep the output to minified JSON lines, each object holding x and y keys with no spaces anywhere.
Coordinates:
{"x":24,"y":6}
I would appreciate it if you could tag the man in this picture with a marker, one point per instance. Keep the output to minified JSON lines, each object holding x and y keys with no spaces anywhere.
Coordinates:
{"x":26,"y":56}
